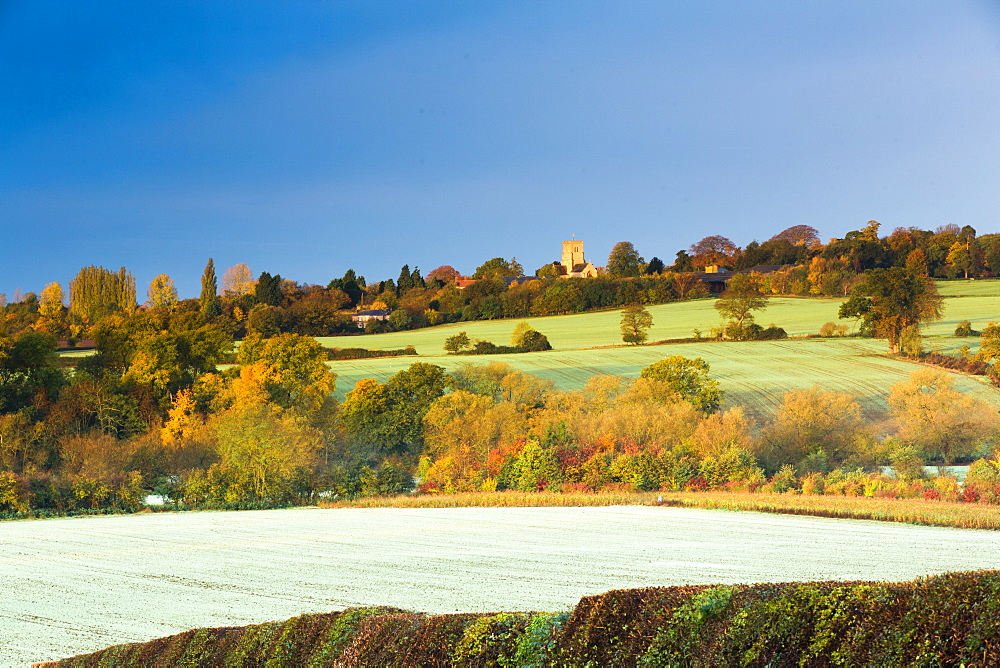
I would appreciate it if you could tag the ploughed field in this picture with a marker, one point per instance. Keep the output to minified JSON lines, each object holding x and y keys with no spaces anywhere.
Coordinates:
{"x":81,"y":584}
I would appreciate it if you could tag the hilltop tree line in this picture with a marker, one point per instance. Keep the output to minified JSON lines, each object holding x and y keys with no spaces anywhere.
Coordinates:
{"x":267,"y":304}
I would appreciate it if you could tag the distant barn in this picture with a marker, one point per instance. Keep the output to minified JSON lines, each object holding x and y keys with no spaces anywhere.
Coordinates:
{"x":717,"y":278}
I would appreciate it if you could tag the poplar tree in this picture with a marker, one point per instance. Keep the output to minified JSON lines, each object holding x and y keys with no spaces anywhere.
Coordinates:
{"x":209,"y":299}
{"x":96,"y":292}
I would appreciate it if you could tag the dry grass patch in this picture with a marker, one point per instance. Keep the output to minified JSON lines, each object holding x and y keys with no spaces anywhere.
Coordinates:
{"x":506,"y":499}
{"x":911,"y":511}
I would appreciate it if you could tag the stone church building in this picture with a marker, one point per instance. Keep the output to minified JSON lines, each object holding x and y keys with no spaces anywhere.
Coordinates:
{"x":574,"y":265}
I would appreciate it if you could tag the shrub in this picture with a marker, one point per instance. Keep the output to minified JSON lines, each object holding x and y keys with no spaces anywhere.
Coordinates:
{"x":964,"y":329}
{"x":490,"y":641}
{"x":831,"y":329}
{"x":772,"y":333}
{"x":364,"y":353}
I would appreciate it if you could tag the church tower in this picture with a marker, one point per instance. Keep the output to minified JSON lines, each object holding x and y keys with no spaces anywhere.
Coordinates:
{"x":572,"y":254}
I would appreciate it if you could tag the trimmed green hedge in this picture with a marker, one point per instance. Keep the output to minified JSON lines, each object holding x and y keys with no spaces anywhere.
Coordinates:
{"x":946,"y":620}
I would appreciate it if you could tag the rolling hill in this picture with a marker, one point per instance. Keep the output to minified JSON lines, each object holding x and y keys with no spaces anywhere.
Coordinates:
{"x":754,"y":374}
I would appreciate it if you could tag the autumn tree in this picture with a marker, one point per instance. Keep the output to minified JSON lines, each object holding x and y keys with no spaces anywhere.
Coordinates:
{"x":445,"y":273}
{"x":96,"y":292}
{"x":624,"y":261}
{"x":460,"y":430}
{"x":526,"y":336}
{"x":50,"y":304}
{"x":635,"y":324}
{"x":165,"y":351}
{"x":722,"y":432}
{"x":798,"y":235}
{"x":502,"y":382}
{"x":315,"y":314}
{"x":689,"y":379}
{"x":162,"y":293}
{"x":291,"y":370}
{"x":262,"y":454}
{"x":916,"y":262}
{"x":183,"y":419}
{"x":208,"y":301}
{"x":19,"y":446}
{"x":237,"y":281}
{"x":744,"y":294}
{"x":890,"y":300}
{"x":989,"y":346}
{"x":941,"y":422}
{"x":960,"y":259}
{"x":814,"y":430}
{"x":712,"y":250}
{"x":385,"y":419}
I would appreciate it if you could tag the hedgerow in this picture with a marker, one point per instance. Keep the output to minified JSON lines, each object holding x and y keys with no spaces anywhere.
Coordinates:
{"x":943,"y":620}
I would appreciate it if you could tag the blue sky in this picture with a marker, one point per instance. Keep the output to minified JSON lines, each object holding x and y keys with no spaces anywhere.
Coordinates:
{"x":304,"y":138}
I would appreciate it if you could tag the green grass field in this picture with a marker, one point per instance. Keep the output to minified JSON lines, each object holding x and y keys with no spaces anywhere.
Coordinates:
{"x":975,"y":301}
{"x":677,"y":320}
{"x":754,"y":374}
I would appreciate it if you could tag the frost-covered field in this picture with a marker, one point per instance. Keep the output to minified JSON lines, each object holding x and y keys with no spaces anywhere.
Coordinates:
{"x":76,"y":585}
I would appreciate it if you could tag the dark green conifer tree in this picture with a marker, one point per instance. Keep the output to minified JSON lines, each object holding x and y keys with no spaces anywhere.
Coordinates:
{"x":268,"y":289}
{"x":209,"y":299}
{"x":404,"y":282}
{"x":416,"y":280}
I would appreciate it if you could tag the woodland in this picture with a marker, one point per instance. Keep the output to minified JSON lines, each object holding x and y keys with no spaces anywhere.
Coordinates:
{"x":228,"y":400}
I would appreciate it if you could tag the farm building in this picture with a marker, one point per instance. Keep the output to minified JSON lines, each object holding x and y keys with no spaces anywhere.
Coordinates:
{"x":716,"y":278}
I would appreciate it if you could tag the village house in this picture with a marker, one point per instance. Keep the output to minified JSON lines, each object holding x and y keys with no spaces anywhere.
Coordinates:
{"x":361,"y":318}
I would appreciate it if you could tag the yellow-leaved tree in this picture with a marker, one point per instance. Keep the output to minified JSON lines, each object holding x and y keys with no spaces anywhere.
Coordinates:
{"x":162,"y":293}
{"x":51,"y":303}
{"x":941,"y":422}
{"x":263,"y":452}
{"x":237,"y":281}
{"x":291,"y":369}
{"x":814,"y":430}
{"x":183,"y":419}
